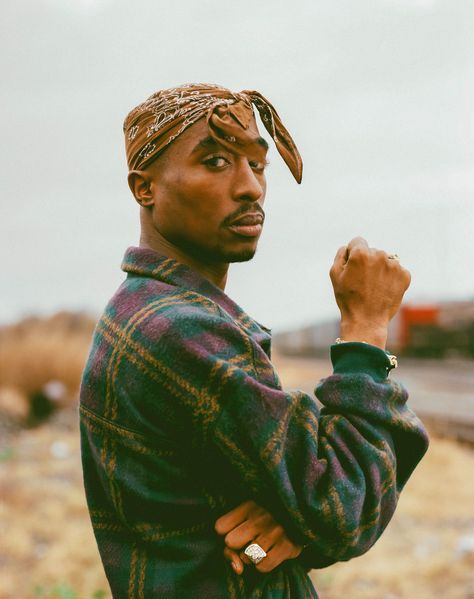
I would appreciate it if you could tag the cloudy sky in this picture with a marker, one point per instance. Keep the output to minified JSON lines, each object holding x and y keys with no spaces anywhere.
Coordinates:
{"x":378,"y":95}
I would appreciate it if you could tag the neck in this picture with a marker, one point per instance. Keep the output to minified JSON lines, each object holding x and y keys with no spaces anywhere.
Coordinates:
{"x":216,"y":272}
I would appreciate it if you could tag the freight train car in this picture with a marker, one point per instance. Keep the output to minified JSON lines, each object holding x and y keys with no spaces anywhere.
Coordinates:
{"x":423,"y":330}
{"x":435,"y":330}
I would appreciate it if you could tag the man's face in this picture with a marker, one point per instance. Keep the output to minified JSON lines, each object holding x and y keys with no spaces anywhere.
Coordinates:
{"x":208,"y":200}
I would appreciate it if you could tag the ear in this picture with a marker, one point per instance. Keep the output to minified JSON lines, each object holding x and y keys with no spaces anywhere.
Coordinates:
{"x":140,"y":183}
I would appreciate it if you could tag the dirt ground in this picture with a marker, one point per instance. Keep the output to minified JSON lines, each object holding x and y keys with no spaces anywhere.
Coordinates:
{"x":48,"y":550}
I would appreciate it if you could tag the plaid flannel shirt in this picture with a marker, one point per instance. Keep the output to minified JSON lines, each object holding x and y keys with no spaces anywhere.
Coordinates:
{"x":183,"y":417}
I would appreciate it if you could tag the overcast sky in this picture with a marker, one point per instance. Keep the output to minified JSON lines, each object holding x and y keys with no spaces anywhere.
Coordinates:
{"x":377,"y":94}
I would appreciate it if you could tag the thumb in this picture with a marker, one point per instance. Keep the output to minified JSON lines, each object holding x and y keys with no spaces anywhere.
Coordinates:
{"x":339,"y":262}
{"x":357,"y":242}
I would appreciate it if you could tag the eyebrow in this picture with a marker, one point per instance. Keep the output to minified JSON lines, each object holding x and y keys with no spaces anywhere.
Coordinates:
{"x":210,"y":143}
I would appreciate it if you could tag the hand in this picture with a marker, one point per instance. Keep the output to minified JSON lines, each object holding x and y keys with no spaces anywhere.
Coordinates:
{"x":249,"y":523}
{"x":369,"y":288}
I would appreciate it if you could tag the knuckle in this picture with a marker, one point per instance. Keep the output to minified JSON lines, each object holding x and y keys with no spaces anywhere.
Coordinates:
{"x":358,"y":253}
{"x":407,"y":275}
{"x":219,"y":527}
{"x":279,"y":530}
{"x":266,"y":519}
{"x":356,"y":241}
{"x":392,"y":264}
{"x":231,"y":541}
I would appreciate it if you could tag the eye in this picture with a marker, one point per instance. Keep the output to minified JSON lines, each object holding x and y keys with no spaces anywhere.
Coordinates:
{"x":258,"y":166}
{"x":216,"y":162}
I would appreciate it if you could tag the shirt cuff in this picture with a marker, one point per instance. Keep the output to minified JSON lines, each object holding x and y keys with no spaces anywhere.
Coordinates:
{"x":353,"y":357}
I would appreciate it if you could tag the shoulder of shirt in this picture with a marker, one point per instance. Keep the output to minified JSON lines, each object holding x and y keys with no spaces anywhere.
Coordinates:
{"x":151,"y":305}
{"x":150,"y":298}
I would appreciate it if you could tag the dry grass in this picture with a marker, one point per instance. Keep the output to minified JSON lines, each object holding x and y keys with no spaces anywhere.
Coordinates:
{"x":35,"y":352}
{"x":38,"y":350}
{"x":48,"y":549}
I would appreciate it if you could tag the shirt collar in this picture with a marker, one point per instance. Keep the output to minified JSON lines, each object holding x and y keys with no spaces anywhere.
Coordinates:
{"x":148,"y":263}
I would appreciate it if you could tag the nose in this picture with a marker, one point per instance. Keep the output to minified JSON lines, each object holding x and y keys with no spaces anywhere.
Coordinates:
{"x":248,"y":185}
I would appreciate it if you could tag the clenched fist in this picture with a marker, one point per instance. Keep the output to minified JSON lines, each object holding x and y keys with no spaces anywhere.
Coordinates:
{"x":369,"y":288}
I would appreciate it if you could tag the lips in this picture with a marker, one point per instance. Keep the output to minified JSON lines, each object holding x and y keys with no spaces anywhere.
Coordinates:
{"x":247,"y":225}
{"x":246,"y":220}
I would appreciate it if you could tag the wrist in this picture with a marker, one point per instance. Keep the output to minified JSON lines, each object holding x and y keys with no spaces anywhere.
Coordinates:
{"x":374,"y":334}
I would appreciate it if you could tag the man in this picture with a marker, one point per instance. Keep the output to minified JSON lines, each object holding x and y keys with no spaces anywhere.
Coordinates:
{"x":193,"y":454}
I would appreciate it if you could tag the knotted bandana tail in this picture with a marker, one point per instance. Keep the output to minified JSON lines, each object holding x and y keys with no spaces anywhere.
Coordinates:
{"x":283,"y":141}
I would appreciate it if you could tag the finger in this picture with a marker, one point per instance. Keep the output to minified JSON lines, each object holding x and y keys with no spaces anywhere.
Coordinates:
{"x":381,"y":256}
{"x":403,"y":274}
{"x":394,"y":265}
{"x":243,"y":534}
{"x":245,"y":558}
{"x":263,"y":542}
{"x":393,"y":260}
{"x":357,"y":248}
{"x":276,"y":544}
{"x":281,"y":552}
{"x":269,"y":538}
{"x":339,"y":263}
{"x":234,"y":559}
{"x":357,"y":242}
{"x":229,"y":521}
{"x":341,"y":256}
{"x":407,"y":276}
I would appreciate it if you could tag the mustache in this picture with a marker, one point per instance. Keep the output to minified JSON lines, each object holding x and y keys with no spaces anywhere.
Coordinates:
{"x":243,"y":210}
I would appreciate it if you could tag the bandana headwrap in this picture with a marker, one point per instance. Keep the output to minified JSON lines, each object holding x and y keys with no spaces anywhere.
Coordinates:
{"x":153,"y":125}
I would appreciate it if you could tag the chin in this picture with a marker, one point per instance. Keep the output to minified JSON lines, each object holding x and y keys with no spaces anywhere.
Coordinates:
{"x":220,"y":254}
{"x":240,"y":256}
{"x":241,"y":252}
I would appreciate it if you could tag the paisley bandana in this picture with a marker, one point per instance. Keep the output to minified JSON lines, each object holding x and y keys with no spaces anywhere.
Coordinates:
{"x":153,"y":125}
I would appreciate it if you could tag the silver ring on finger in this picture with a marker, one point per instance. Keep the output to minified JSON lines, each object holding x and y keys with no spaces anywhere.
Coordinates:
{"x":394,"y":257}
{"x":255,"y":553}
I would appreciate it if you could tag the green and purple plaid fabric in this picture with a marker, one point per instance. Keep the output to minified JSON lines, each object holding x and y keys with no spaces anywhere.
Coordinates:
{"x":183,"y":417}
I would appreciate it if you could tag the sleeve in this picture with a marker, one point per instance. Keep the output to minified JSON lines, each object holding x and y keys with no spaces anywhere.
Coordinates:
{"x":330,"y":477}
